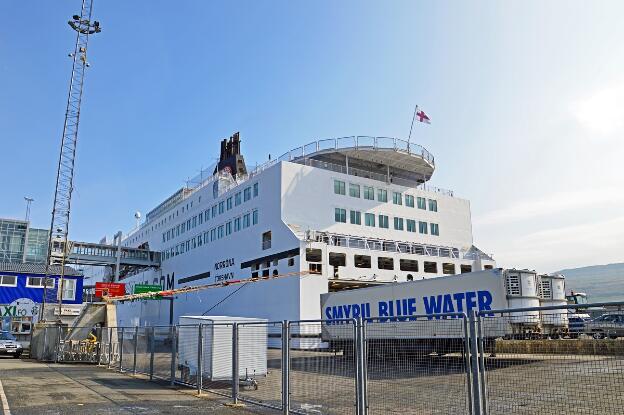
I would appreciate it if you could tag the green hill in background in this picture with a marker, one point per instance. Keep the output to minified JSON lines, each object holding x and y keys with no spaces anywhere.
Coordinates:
{"x":600,"y":282}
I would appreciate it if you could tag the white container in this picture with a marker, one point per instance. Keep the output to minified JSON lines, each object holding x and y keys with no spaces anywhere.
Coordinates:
{"x":552,"y":293}
{"x":217,"y":346}
{"x":522,"y":287}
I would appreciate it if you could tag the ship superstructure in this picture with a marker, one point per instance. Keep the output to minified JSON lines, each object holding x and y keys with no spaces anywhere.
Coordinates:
{"x":352,"y":211}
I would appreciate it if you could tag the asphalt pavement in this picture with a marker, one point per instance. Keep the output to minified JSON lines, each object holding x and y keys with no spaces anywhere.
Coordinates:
{"x":33,"y":388}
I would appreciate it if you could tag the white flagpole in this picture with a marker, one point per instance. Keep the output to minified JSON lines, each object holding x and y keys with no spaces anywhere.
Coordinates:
{"x":412,"y":126}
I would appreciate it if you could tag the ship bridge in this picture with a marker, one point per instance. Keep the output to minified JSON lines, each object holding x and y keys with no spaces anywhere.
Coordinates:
{"x":381,"y":158}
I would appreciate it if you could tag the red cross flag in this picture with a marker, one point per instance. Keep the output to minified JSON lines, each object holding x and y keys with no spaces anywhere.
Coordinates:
{"x":422,"y":117}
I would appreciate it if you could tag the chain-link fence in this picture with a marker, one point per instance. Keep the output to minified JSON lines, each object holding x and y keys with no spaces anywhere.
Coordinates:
{"x":547,"y":360}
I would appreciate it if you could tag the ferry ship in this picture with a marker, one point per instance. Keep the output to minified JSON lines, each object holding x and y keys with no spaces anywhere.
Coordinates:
{"x":331,"y":215}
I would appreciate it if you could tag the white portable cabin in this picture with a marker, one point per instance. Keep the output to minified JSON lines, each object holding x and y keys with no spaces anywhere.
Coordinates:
{"x":217,"y":346}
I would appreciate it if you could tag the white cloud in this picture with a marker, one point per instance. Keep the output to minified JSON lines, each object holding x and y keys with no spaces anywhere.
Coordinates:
{"x":602,"y":112}
{"x":550,"y":204}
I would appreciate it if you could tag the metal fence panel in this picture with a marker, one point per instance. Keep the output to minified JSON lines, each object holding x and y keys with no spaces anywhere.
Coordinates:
{"x":260,"y":363}
{"x":162,"y":346}
{"x":416,"y":367}
{"x":552,"y":368}
{"x":322,"y":381}
{"x":143,"y":351}
{"x":186,"y":367}
{"x":127,"y":349}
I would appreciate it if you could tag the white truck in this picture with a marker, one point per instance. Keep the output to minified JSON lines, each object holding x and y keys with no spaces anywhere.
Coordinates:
{"x":404,"y":313}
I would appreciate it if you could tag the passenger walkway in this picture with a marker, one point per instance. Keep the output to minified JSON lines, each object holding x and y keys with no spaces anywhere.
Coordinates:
{"x":33,"y":388}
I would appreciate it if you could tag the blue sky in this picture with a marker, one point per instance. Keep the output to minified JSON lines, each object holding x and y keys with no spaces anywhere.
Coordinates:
{"x":526,"y":98}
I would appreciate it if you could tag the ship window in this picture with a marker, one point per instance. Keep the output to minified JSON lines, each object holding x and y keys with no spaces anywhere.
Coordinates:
{"x":220,"y":232}
{"x":213,"y":234}
{"x":354,"y":190}
{"x":247,"y":194}
{"x":255,"y":189}
{"x":409,"y":200}
{"x":382,"y":195}
{"x":385,"y":263}
{"x":337,"y":259}
{"x":10,"y":281}
{"x":422,"y":227}
{"x":254,"y":275}
{"x":314,"y":255}
{"x":411,"y":225}
{"x":188,"y":224}
{"x":228,"y":227}
{"x":369,"y":193}
{"x":398,"y":224}
{"x":488,"y":267}
{"x":206,"y":215}
{"x":237,"y":199}
{"x":200,"y":218}
{"x":362,"y":261}
{"x":291,"y":262}
{"x":448,"y":268}
{"x":275,"y":273}
{"x":194,"y":221}
{"x":355,"y":217}
{"x":199,"y":240}
{"x":383,"y":221}
{"x":228,"y":203}
{"x":397,"y":198}
{"x":340,"y":215}
{"x":410,"y":277}
{"x":316,"y":268}
{"x":266,"y":264}
{"x":254,"y":217}
{"x":193,"y":243}
{"x":339,"y":187}
{"x":369,"y":219}
{"x":188,"y":245}
{"x":421,"y":202}
{"x":237,"y":224}
{"x":266,"y":240}
{"x":183,"y":226}
{"x":265,"y":273}
{"x":206,"y":237}
{"x":408,"y":265}
{"x":275,"y":262}
{"x":433,"y":205}
{"x":430,"y":267}
{"x":214,"y":211}
{"x":246,"y":220}
{"x":465,"y":268}
{"x":435,"y":229}
{"x":221,"y":207}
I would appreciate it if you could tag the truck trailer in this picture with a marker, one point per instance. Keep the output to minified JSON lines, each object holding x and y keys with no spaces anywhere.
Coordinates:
{"x":407,"y":316}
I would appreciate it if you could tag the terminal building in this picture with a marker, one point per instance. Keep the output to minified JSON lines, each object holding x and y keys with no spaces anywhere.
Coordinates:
{"x":23,"y":252}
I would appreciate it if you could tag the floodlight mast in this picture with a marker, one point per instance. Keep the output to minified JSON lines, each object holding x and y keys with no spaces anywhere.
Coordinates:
{"x":59,"y":228}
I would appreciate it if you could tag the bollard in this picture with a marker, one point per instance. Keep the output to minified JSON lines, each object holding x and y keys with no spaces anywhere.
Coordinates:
{"x":200,"y":352}
{"x":285,"y":367}
{"x":174,"y":345}
{"x":121,"y":340}
{"x":136,"y":342}
{"x":474,"y":364}
{"x":235,"y":370}
{"x":151,"y":346}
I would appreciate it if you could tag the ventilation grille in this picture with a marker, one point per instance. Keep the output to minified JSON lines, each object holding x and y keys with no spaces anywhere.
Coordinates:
{"x":512,"y":283}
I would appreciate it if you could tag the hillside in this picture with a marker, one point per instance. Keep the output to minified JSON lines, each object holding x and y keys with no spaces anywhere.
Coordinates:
{"x":600,"y":282}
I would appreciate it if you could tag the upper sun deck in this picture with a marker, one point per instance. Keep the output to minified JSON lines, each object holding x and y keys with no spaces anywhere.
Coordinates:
{"x":386,"y":159}
{"x":382,"y":158}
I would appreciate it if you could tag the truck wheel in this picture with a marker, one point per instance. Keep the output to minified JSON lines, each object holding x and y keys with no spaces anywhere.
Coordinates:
{"x":598,"y":335}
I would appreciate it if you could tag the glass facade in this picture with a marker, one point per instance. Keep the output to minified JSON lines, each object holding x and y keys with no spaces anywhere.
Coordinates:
{"x":19,"y":244}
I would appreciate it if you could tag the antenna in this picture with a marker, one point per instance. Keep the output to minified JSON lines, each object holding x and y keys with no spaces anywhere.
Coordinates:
{"x":59,"y":227}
